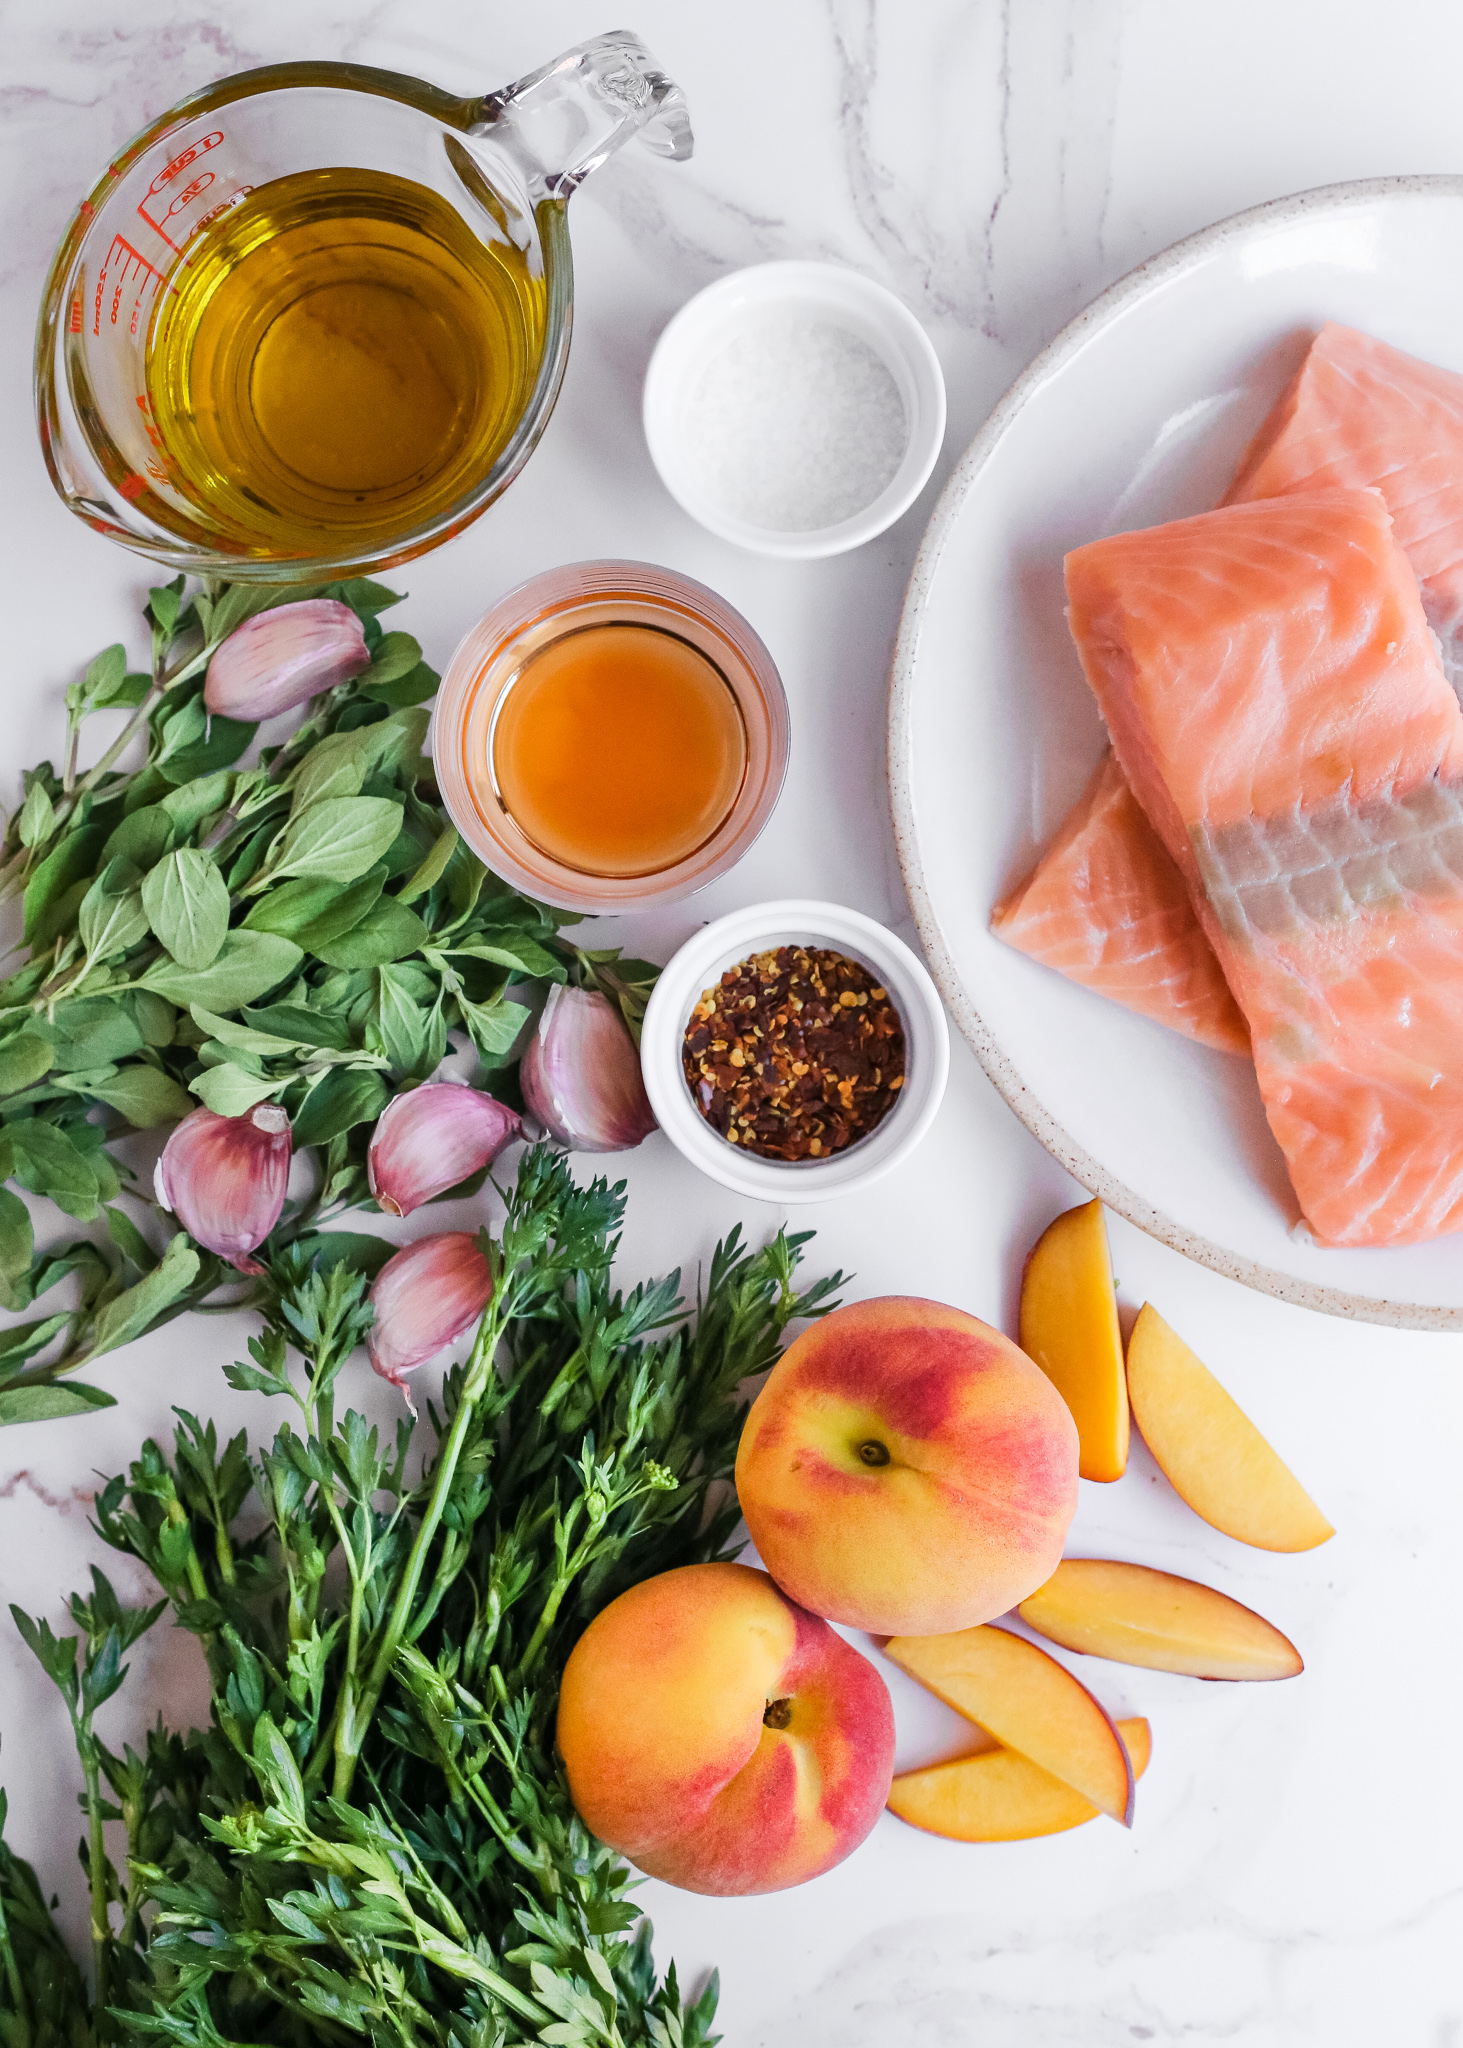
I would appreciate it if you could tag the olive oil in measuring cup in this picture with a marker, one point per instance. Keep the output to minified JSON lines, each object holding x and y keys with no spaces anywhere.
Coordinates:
{"x":338,"y":360}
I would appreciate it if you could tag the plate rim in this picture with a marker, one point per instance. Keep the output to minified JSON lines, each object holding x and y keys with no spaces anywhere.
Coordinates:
{"x":1114,"y":1193}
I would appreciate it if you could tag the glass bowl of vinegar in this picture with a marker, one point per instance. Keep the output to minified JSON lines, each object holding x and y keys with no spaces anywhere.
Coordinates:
{"x":610,"y":735}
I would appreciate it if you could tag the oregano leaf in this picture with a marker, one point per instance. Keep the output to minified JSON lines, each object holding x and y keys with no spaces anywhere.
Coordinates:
{"x":48,"y":1399}
{"x":24,"y":1059}
{"x":399,"y":1020}
{"x":145,"y":1095}
{"x":431,"y":869}
{"x":241,"y":1036}
{"x":230,"y":1090}
{"x":105,"y":674}
{"x":339,"y":838}
{"x":48,"y":1163}
{"x":247,"y":966}
{"x":132,"y":1312}
{"x":187,"y":905}
{"x":109,"y":923}
{"x":17,"y":1248}
{"x":37,"y":816}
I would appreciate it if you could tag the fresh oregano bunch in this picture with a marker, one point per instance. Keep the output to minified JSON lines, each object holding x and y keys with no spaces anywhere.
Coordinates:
{"x":373,"y":1839}
{"x":308,"y":932}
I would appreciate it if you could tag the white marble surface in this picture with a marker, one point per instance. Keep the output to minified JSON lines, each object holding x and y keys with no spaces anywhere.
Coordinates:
{"x":1293,"y":1876}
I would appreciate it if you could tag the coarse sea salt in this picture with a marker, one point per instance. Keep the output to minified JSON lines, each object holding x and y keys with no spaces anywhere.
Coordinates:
{"x":795,"y":424}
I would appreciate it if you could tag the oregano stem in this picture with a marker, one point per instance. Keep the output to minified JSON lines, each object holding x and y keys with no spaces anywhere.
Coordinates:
{"x":164,"y":682}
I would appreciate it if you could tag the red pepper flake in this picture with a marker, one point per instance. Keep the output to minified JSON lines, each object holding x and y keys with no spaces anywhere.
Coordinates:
{"x":795,"y":1054}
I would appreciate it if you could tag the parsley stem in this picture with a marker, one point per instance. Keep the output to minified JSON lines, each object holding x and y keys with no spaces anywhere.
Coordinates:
{"x":550,"y":1611}
{"x":20,"y":2010}
{"x":178,"y":1516}
{"x":101,"y":1926}
{"x":363,"y":1708}
{"x":132,"y":1912}
{"x":345,"y":1721}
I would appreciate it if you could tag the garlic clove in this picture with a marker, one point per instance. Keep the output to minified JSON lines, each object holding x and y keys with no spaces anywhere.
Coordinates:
{"x":580,"y":1075}
{"x":283,"y":657}
{"x":224,"y":1178}
{"x":430,"y":1138}
{"x":424,"y":1296}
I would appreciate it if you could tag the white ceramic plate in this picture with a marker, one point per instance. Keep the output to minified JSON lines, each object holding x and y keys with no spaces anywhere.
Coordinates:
{"x":1137,"y":412}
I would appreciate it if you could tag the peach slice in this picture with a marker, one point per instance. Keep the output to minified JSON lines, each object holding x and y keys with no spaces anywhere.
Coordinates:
{"x":1029,"y":1702}
{"x":1211,"y":1453}
{"x":1069,"y":1325}
{"x":998,"y":1796}
{"x":1134,"y":1615}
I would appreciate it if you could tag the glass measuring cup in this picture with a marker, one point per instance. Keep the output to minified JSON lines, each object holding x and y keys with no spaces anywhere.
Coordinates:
{"x":498,"y":171}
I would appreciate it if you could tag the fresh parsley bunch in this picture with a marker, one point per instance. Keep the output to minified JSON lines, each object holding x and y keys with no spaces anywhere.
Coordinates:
{"x":373,"y":1839}
{"x":309,"y":931}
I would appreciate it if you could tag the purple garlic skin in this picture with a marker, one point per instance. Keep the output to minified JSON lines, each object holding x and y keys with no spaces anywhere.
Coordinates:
{"x":281,"y":658}
{"x":580,"y":1075}
{"x":430,"y":1138}
{"x":424,"y":1296}
{"x":224,"y":1179}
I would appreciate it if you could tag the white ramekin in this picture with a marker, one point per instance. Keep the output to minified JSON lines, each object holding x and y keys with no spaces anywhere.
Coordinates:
{"x":707,"y":322}
{"x":795,"y":922}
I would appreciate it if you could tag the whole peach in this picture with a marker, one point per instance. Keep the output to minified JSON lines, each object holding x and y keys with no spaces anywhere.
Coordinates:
{"x":907,"y":1470}
{"x":719,"y":1736}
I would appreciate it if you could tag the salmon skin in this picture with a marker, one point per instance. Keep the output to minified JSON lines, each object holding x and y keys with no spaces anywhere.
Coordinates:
{"x":1357,"y":415}
{"x":1106,"y":906}
{"x":1276,"y":700}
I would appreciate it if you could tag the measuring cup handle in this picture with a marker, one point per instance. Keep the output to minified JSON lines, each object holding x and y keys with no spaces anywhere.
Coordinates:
{"x":563,"y":120}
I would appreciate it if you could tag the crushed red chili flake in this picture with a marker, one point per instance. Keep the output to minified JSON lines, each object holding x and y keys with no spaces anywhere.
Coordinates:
{"x":795,"y":1054}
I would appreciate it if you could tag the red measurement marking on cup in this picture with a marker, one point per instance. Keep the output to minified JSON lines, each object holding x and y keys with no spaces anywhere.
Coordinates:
{"x":123,"y":282}
{"x":149,"y":427}
{"x":186,"y":197}
{"x":153,"y":471}
{"x":181,"y":162}
{"x":159,"y":465}
{"x":224,"y":206}
{"x":180,"y":201}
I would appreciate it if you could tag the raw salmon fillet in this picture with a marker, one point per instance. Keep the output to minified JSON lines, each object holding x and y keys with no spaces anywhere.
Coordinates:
{"x":1356,"y":415}
{"x":1276,"y":701}
{"x":1106,"y":906}
{"x":1359,"y":414}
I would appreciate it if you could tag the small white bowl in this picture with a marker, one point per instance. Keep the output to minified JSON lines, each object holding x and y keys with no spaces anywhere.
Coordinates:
{"x":705,"y":958}
{"x":822,"y":291}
